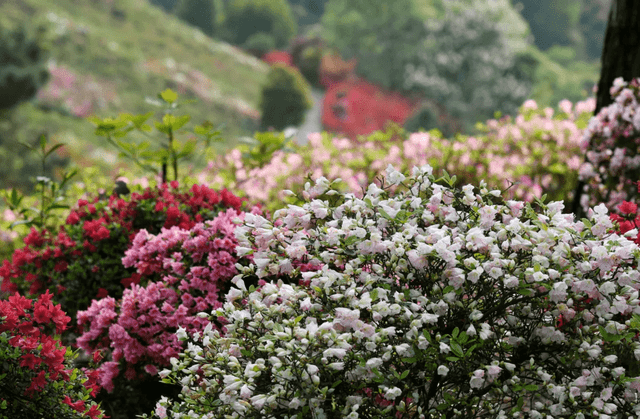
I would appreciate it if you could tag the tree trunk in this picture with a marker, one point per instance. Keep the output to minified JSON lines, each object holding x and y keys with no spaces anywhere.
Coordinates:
{"x":620,"y":58}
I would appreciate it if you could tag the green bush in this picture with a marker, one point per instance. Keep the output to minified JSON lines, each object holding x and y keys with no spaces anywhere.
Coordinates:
{"x":307,"y":55}
{"x":285,"y":98}
{"x":204,"y":14}
{"x":260,"y":43}
{"x":248,"y":17}
{"x":23,"y":71}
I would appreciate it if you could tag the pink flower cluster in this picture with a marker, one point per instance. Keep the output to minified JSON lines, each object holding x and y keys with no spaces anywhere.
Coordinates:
{"x":194,"y":265}
{"x":81,"y":95}
{"x":537,"y":150}
{"x":612,"y":144}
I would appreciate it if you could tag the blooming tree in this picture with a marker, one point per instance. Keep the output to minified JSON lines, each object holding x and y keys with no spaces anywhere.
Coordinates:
{"x":428,"y":302}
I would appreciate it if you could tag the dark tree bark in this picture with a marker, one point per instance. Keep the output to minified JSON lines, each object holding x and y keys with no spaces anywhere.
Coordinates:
{"x":620,"y":58}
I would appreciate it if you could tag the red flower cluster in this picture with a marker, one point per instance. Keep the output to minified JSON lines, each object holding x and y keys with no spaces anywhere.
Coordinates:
{"x":628,"y":219}
{"x":356,"y":107}
{"x":27,"y":325}
{"x":282,"y":57}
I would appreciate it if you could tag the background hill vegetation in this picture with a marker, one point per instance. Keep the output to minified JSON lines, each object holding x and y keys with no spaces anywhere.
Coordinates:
{"x":105,"y":57}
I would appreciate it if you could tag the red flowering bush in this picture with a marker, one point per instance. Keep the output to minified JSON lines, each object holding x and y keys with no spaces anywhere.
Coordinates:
{"x":37,"y":379}
{"x":282,"y":57}
{"x":358,"y":107}
{"x":83,"y":260}
{"x":138,"y":331}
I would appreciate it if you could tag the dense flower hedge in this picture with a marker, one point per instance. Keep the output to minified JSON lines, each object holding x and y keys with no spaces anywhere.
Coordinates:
{"x":428,"y":302}
{"x":538,"y":151}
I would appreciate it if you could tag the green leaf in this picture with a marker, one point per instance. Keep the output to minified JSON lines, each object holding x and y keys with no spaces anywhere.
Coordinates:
{"x":531,"y":387}
{"x":404,"y":374}
{"x":457,"y":349}
{"x":455,"y":332}
{"x":168,"y":96}
{"x":351,"y":240}
{"x":384,"y":214}
{"x":452,"y":359}
{"x":411,"y":360}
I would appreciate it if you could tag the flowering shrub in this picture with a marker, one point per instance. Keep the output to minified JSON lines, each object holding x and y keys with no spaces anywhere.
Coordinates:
{"x":431,"y":302}
{"x":611,"y":142}
{"x":83,"y":260}
{"x":193,"y":266}
{"x":537,"y":149}
{"x":37,"y":379}
{"x":356,"y":107}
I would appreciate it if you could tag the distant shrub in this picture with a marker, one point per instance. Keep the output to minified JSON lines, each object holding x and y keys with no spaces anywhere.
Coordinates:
{"x":260,"y":43}
{"x":248,"y":17}
{"x":204,"y":14}
{"x":307,"y":56}
{"x":23,"y":71}
{"x":285,"y":98}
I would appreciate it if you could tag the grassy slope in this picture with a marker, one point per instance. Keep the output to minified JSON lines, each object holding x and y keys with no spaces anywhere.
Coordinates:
{"x":121,"y":51}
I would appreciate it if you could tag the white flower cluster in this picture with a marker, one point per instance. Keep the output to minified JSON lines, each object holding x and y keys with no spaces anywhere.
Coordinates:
{"x":433,"y":302}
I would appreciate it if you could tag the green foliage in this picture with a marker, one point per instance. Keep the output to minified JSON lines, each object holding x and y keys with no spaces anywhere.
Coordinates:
{"x":259,"y":150}
{"x":553,"y":22}
{"x":429,"y":117}
{"x":260,"y":43}
{"x":468,"y":62}
{"x":382,"y":35}
{"x":167,"y":5}
{"x":307,"y":56}
{"x":23,"y":71}
{"x":142,"y":154}
{"x":309,"y":12}
{"x":286,"y":96}
{"x":247,"y":17}
{"x":51,"y":194}
{"x":556,"y":75}
{"x":204,"y":14}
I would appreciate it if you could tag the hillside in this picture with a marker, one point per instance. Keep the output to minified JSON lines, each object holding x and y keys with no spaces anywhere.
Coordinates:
{"x":107,"y":56}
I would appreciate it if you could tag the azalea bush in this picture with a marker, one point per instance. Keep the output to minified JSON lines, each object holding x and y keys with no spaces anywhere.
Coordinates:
{"x":38,"y":379}
{"x":611,"y":142}
{"x":83,"y":260}
{"x":538,"y":151}
{"x":429,"y":302}
{"x":193,"y":267}
{"x":136,"y":333}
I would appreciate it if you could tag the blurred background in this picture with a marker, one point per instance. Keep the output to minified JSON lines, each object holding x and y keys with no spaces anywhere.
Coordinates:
{"x":354,"y":66}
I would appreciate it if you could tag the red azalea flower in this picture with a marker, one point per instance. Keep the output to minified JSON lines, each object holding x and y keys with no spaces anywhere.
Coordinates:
{"x":174,"y":184}
{"x":61,"y":266}
{"x":30,"y":361}
{"x":101,"y":293}
{"x":73,"y":218}
{"x":93,"y":412}
{"x":37,"y":383}
{"x":41,"y":314}
{"x":77,"y":406}
{"x":34,"y":238}
{"x":628,"y":208}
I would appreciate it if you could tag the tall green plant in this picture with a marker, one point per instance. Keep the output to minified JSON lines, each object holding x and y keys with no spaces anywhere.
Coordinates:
{"x":142,"y":154}
{"x":50,"y":194}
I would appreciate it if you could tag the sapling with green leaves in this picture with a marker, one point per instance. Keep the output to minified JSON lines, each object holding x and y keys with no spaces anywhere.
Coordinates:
{"x":142,"y":154}
{"x":51,"y":193}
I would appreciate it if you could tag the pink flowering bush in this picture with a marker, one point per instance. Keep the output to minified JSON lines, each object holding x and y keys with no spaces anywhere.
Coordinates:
{"x":137,"y":333}
{"x":37,"y":378}
{"x":612,"y":144}
{"x":428,"y":302}
{"x":537,"y":150}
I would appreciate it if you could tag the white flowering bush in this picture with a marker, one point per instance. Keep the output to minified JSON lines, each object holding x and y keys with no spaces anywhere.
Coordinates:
{"x":428,"y":302}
